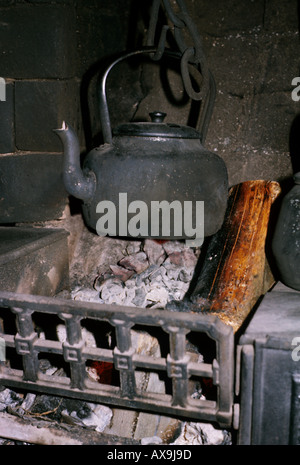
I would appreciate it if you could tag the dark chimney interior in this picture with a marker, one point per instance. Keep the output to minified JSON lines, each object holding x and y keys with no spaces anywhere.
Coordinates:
{"x":52,"y":52}
{"x":51,"y":55}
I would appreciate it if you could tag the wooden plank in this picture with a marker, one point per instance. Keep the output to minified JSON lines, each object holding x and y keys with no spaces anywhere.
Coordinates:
{"x":235,"y":272}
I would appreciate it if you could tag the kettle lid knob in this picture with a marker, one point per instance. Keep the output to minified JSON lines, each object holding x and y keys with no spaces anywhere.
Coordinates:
{"x":157,"y":116}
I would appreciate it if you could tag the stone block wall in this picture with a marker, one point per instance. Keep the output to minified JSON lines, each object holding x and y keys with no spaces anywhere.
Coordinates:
{"x":38,"y":63}
{"x":52,"y":51}
{"x":254,"y":67}
{"x":252,"y":48}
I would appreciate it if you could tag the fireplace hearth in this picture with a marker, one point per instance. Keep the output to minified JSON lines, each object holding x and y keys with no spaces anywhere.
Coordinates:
{"x":113,"y":340}
{"x":52,"y":354}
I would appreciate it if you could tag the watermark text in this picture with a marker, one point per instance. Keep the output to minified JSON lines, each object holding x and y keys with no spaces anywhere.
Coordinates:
{"x":163,"y":219}
{"x":296,"y":350}
{"x":2,"y":350}
{"x":296,"y":91}
{"x":2,"y":90}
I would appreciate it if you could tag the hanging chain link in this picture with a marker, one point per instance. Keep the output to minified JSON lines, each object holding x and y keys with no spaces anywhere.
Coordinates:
{"x":190,"y":54}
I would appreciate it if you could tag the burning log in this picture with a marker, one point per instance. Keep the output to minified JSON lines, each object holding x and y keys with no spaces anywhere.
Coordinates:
{"x":235,"y":272}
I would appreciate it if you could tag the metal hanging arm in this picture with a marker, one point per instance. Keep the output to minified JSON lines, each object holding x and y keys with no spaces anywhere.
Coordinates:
{"x":191,"y":55}
{"x":103,"y":105}
{"x":185,"y":54}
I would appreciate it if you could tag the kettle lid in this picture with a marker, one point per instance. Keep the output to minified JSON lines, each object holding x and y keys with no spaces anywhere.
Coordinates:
{"x":156,"y":128}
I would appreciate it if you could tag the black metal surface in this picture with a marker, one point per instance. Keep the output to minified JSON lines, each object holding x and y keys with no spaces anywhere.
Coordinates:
{"x":162,"y":130}
{"x":150,"y":169}
{"x":176,"y":364}
{"x":164,"y":163}
{"x":157,"y":169}
{"x":206,"y":110}
{"x":191,"y":53}
{"x":286,"y":240}
{"x":295,"y":410}
{"x":269,"y":411}
{"x":77,"y":183}
{"x":245,"y":363}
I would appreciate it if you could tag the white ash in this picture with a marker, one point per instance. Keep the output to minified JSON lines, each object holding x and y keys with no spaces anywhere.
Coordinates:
{"x":9,"y":398}
{"x":27,"y":403}
{"x":149,"y":275}
{"x":85,"y":294}
{"x":150,"y":441}
{"x":96,"y":416}
{"x":196,"y":433}
{"x":87,"y":336}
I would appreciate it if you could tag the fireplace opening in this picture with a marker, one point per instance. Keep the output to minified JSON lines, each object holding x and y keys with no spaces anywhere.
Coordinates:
{"x":132,"y":340}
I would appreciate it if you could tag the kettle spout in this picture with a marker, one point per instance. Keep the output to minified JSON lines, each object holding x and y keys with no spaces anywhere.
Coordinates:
{"x":77,"y":183}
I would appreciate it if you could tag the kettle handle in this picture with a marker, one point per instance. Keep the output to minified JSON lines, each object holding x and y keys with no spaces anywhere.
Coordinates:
{"x":104,"y":112}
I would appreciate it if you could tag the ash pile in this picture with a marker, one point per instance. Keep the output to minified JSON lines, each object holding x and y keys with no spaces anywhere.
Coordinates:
{"x":149,"y":274}
{"x":144,"y":273}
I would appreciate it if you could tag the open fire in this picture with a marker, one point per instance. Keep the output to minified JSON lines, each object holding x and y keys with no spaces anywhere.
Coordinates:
{"x":149,"y":274}
{"x":106,"y":340}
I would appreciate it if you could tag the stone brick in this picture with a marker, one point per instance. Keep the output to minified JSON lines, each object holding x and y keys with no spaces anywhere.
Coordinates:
{"x":277,"y":77}
{"x":98,"y":26}
{"x":281,"y":16}
{"x":7,"y":142}
{"x":31,"y":187}
{"x":38,"y":41}
{"x":221,"y":18}
{"x":41,"y":106}
{"x":235,"y":62}
{"x":245,"y":64}
{"x":229,"y":122}
{"x":268,"y":120}
{"x":272,"y":116}
{"x":253,"y":142}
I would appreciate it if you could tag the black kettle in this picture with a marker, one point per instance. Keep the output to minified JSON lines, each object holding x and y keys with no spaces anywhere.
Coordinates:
{"x":148,"y":179}
{"x":286,"y":239}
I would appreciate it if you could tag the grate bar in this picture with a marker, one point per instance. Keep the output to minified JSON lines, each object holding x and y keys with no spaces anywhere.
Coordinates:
{"x":24,"y":342}
{"x":123,"y":361}
{"x":72,"y":350}
{"x":176,"y":364}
